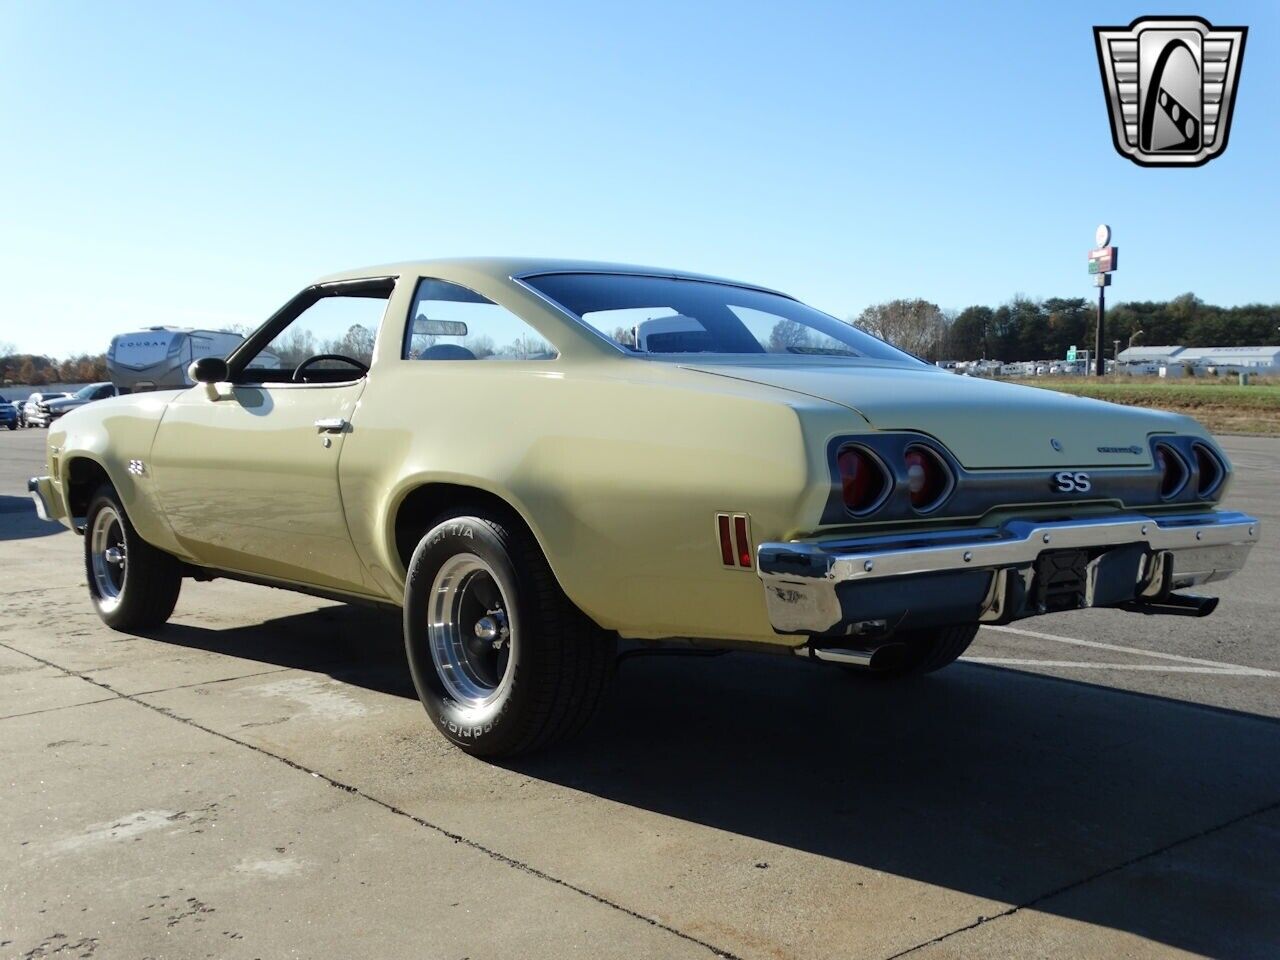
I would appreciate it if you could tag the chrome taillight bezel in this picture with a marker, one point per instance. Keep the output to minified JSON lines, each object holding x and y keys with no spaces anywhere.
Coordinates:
{"x":1173,"y":456}
{"x":1208,"y":492}
{"x":947,"y":489}
{"x":888,"y":482}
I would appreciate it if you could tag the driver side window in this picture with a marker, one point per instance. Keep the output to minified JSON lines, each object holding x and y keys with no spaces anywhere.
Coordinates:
{"x":342,"y":325}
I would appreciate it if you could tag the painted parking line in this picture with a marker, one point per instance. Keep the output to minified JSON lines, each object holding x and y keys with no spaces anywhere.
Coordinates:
{"x":1179,"y":664}
{"x":1223,"y":671}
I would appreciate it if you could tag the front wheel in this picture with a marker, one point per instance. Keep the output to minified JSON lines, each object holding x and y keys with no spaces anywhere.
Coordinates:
{"x":133,"y":585}
{"x":502,"y":660}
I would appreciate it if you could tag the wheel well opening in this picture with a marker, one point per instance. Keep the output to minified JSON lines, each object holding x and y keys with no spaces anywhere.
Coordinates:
{"x":84,"y":476}
{"x":424,"y":506}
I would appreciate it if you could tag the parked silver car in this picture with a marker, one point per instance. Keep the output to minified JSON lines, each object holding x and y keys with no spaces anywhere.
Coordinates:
{"x":94,"y":391}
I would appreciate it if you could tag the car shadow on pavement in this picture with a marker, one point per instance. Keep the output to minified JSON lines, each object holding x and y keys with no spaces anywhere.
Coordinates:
{"x":19,"y":521}
{"x":994,"y":782}
{"x":997,"y":783}
{"x":361,"y":646}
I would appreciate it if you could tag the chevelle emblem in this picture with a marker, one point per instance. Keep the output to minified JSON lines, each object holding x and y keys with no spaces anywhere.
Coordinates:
{"x":1068,"y":482}
{"x":1132,"y":448}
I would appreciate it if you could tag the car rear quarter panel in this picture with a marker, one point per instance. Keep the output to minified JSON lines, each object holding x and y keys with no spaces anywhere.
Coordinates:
{"x":618,"y":469}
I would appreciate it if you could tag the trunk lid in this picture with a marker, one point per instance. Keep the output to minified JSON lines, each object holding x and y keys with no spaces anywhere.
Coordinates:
{"x":985,"y":423}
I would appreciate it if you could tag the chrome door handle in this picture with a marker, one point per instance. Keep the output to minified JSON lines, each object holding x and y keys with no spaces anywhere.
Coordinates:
{"x":331,"y":425}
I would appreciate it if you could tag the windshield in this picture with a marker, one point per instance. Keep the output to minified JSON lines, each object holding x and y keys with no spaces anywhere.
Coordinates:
{"x":664,"y":315}
{"x":86,"y":393}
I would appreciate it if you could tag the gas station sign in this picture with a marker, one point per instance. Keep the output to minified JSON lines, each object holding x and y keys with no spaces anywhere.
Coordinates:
{"x":1104,"y":259}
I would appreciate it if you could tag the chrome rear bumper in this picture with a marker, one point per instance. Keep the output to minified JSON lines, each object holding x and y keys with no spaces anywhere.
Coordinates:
{"x":874,"y":584}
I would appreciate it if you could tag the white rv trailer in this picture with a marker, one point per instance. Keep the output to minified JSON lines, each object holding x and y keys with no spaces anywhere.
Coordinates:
{"x":157,"y":358}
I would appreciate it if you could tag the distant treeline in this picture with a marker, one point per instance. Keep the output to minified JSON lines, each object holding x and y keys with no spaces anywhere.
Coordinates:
{"x":1022,"y":329}
{"x":31,"y":370}
{"x":1025,"y":329}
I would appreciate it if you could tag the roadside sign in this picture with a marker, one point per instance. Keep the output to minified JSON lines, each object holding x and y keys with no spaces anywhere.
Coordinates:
{"x":1071,"y":353}
{"x":1102,"y":235}
{"x":1102,"y":280}
{"x":1104,"y":259}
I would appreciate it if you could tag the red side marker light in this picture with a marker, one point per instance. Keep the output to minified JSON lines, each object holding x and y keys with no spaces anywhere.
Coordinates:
{"x":726,"y":540}
{"x":744,"y":542}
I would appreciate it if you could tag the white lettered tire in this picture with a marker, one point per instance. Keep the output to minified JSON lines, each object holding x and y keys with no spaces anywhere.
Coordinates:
{"x":502,"y":660}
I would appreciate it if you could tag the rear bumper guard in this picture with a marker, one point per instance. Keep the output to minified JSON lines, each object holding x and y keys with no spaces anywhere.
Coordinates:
{"x":872,"y":585}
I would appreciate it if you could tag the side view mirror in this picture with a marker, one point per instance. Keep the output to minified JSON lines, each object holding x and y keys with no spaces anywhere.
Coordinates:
{"x":209,"y":370}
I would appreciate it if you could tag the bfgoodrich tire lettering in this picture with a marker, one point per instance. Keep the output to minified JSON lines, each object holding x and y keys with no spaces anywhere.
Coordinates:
{"x":490,"y":692}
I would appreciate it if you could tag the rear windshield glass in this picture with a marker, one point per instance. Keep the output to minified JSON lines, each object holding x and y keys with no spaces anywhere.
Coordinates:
{"x":663,"y":315}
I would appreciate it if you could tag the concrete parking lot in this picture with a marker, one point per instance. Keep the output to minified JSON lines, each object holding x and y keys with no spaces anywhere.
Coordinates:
{"x":257,"y":779}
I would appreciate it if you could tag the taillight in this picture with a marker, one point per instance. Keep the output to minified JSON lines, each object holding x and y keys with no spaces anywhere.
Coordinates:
{"x":928,"y":479}
{"x":864,"y":482}
{"x":1173,"y":471}
{"x":1209,"y":470}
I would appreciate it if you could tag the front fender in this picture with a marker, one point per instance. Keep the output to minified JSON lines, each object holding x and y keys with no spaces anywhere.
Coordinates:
{"x":116,"y":436}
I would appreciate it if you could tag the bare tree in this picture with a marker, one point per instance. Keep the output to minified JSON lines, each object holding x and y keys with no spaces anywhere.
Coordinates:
{"x":787,"y":336}
{"x":357,"y":343}
{"x":916,"y":326}
{"x":294,"y":345}
{"x":481,"y":346}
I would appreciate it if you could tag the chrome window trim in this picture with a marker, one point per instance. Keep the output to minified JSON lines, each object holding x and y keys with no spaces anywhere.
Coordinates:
{"x":291,"y":385}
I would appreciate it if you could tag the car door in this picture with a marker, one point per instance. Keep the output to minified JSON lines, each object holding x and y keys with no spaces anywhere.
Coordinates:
{"x":247,"y":470}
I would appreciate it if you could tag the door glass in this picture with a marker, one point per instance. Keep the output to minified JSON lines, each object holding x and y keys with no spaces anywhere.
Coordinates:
{"x":346,"y":326}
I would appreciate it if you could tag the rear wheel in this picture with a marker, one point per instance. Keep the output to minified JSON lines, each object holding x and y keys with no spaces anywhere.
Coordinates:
{"x":133,"y":585}
{"x":924,"y":652}
{"x":502,"y":660}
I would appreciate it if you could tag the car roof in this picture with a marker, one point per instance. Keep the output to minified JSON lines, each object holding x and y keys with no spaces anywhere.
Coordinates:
{"x":504,"y":268}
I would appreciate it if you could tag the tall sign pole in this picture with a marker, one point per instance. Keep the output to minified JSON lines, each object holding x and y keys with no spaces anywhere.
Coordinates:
{"x":1103,"y":259}
{"x":1099,"y":360}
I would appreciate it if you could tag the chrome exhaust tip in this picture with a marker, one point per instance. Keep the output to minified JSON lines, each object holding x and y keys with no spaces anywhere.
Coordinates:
{"x":876,"y":658}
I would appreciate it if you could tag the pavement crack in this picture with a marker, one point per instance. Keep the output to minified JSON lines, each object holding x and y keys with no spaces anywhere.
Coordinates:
{"x":1085,"y":881}
{"x":69,"y":706}
{"x":476,"y":845}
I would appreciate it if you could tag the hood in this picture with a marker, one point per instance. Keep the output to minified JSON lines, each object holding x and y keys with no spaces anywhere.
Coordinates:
{"x":985,"y":423}
{"x":65,"y":403}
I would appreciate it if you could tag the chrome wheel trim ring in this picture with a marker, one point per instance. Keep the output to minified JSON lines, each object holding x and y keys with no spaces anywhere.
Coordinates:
{"x":108,"y":557}
{"x":466,"y":602}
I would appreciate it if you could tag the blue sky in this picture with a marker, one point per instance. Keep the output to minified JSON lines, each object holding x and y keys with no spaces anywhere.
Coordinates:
{"x":197,"y":164}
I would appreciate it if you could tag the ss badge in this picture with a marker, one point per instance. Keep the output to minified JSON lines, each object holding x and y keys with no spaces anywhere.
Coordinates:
{"x":1068,"y":482}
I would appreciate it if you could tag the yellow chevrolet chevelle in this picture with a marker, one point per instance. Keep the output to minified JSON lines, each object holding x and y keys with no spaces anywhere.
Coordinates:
{"x":535,"y":458}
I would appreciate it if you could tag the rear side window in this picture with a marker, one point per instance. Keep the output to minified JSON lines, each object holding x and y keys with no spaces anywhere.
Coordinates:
{"x":449,"y":322}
